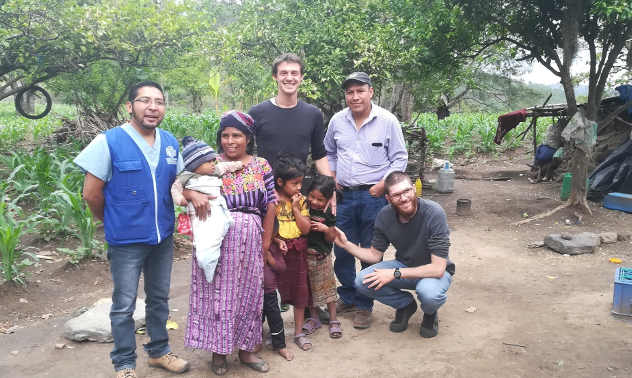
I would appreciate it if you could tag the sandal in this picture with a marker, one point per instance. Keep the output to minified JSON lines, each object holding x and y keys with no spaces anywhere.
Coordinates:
{"x":303,"y":342}
{"x":335,"y":331}
{"x":311,"y":325}
{"x":261,"y":366}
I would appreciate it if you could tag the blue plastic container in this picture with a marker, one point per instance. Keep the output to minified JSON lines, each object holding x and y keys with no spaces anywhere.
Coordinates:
{"x":618,"y":201}
{"x":622,"y":297}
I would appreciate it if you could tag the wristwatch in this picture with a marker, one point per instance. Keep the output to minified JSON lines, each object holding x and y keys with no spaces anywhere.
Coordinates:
{"x":397,"y":274}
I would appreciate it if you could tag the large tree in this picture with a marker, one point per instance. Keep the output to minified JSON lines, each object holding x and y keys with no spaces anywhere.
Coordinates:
{"x":404,"y":45}
{"x":40,"y":39}
{"x":550,"y":32}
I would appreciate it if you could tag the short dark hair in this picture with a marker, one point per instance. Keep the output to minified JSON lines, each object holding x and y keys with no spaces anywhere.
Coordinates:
{"x":287,"y":57}
{"x":394,"y":178}
{"x":324,"y":184}
{"x":133,"y":91}
{"x":288,"y":167}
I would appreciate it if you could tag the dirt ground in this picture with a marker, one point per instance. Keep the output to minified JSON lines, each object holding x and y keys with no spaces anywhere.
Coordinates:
{"x":512,"y":311}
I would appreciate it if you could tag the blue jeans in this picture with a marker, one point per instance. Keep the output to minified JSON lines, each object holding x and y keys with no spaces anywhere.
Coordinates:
{"x":430,"y":291}
{"x":126,"y":263}
{"x":355,"y":216}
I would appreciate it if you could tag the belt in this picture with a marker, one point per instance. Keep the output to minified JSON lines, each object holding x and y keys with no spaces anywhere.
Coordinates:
{"x":357,"y":187}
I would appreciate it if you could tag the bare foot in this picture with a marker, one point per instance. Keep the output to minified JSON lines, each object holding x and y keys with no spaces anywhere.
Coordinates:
{"x":258,"y":348}
{"x":286,"y":353}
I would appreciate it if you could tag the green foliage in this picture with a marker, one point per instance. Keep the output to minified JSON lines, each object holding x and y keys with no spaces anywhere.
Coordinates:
{"x":401,"y":41}
{"x":16,"y":130}
{"x":203,"y":126}
{"x":41,"y":39}
{"x":472,"y":133}
{"x":75,"y":209}
{"x":11,"y":229}
{"x":97,"y":89}
{"x":548,"y":33}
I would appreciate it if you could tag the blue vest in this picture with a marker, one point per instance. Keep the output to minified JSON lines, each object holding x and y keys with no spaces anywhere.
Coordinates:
{"x":138,"y":205}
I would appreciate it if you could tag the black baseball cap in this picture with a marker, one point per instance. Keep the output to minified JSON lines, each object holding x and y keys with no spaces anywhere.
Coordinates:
{"x":360,"y":77}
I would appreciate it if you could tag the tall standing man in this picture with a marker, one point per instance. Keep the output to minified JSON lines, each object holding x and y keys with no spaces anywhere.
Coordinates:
{"x":418,"y":229}
{"x":364,"y":143}
{"x":129,"y":172}
{"x":287,"y":125}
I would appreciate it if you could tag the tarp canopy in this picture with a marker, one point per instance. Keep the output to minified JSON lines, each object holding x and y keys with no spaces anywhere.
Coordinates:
{"x":613,"y":175}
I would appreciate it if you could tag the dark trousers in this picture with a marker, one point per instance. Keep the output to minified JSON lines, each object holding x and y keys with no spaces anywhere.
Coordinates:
{"x":355,"y":217}
{"x":272,"y":313}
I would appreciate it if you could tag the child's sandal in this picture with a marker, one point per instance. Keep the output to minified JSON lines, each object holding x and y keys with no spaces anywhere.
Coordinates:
{"x":311,"y":325}
{"x":303,"y":342}
{"x":335,"y":330}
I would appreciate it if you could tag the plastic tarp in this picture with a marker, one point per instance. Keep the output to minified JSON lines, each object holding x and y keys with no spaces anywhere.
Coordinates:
{"x":625,"y":94}
{"x":581,"y":132}
{"x":613,"y":175}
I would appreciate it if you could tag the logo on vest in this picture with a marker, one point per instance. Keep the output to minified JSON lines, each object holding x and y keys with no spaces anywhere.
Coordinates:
{"x":171,"y":155}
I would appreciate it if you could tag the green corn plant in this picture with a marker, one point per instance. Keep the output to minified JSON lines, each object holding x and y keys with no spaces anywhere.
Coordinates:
{"x":76,"y":210}
{"x":11,"y":230}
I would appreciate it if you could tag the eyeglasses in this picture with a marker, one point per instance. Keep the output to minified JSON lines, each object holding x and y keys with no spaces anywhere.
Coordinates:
{"x":146,"y":101}
{"x":399,"y":196}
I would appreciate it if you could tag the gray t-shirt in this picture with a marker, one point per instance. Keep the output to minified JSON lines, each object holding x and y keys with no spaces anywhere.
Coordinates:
{"x":427,"y":233}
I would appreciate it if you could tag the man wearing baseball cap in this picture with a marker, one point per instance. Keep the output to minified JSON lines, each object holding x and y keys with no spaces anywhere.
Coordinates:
{"x":364,"y":143}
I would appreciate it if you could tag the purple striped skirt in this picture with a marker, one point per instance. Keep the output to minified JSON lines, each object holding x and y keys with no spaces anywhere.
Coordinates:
{"x":226,"y":313}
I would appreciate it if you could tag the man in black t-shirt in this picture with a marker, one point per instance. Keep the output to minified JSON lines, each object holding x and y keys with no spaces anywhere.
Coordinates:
{"x":418,"y":230}
{"x":287,"y":125}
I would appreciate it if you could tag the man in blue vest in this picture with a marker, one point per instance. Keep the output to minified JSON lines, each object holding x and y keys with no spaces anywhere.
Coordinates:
{"x":129,"y":172}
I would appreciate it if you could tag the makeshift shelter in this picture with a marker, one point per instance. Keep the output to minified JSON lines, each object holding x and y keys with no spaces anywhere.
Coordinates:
{"x":612,"y":153}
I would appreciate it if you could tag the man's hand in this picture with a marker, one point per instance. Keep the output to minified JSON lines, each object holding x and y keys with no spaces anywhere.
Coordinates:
{"x":379,"y":278}
{"x":340,"y":239}
{"x":377,"y":190}
{"x":331,"y":204}
{"x":199,"y":202}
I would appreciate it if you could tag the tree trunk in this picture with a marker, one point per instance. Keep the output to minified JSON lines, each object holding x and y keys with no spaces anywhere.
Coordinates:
{"x":579,"y":168}
{"x":28,"y":102}
{"x":406,"y":105}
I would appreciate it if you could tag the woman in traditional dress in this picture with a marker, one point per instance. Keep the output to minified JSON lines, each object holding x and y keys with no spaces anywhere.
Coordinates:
{"x":226,"y":313}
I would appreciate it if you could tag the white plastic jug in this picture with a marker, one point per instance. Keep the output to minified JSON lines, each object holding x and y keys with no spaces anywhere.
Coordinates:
{"x":445,"y":183}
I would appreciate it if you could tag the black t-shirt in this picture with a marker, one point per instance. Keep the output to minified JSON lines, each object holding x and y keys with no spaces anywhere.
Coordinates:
{"x":427,"y":233}
{"x":315,"y":239}
{"x":295,"y":131}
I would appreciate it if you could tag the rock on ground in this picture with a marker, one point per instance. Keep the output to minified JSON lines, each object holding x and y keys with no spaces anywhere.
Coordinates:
{"x":585,"y":242}
{"x":608,"y":237}
{"x":94,"y":324}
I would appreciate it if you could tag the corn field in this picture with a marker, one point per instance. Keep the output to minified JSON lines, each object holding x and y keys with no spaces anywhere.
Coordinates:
{"x":40,"y":187}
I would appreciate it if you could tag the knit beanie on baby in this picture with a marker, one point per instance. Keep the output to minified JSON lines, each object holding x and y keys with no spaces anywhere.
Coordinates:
{"x":195,"y":153}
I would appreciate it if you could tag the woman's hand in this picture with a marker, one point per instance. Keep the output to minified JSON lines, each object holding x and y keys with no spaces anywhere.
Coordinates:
{"x":199,"y":202}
